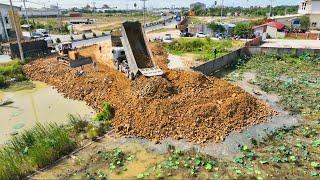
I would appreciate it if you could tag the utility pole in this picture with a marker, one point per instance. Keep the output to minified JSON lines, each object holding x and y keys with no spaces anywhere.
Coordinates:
{"x":27,"y":17}
{"x":17,"y":34}
{"x":222,"y":6}
{"x":270,"y":8}
{"x":59,"y":18}
{"x":144,"y":13}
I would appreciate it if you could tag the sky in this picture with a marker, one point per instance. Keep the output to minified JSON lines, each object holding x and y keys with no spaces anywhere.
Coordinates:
{"x":123,"y":4}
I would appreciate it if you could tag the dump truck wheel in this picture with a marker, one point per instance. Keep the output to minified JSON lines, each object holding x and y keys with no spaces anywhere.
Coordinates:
{"x":131,"y":76}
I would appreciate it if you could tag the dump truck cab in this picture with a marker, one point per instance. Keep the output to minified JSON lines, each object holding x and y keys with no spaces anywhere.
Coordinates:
{"x":120,"y":61}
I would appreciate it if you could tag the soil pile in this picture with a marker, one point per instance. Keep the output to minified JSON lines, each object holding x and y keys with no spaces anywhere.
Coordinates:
{"x":155,"y":87}
{"x":182,"y":105}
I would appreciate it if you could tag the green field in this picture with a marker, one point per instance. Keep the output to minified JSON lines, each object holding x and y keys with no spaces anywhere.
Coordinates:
{"x":202,"y":49}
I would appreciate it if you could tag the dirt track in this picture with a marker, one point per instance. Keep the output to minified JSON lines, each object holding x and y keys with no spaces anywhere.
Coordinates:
{"x":180,"y":104}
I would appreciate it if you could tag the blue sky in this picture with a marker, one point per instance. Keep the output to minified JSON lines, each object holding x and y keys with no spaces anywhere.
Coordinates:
{"x":151,"y":3}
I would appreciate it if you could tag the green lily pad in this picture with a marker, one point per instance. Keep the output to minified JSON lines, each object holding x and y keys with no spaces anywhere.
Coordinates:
{"x":15,"y":114}
{"x":18,"y":126}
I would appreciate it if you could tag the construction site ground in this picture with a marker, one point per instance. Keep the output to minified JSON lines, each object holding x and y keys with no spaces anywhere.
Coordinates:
{"x":181,"y":105}
{"x":183,"y":108}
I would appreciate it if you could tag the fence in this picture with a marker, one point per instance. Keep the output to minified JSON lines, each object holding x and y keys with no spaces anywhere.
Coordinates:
{"x":308,"y":36}
{"x":210,"y":67}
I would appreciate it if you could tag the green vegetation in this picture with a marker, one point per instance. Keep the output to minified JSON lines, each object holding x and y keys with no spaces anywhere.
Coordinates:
{"x":10,"y":71}
{"x":304,"y":22}
{"x":295,"y":79}
{"x":202,"y":48}
{"x":252,"y":11}
{"x":106,"y":114}
{"x":179,"y":162}
{"x":52,"y":25}
{"x":116,"y":159}
{"x":33,"y":149}
{"x":216,"y":27}
{"x":243,"y":29}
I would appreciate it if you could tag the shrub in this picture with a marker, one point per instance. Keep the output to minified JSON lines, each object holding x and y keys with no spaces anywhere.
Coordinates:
{"x":72,"y":38}
{"x":11,"y":70}
{"x":84,"y":36}
{"x":34,"y":149}
{"x":94,"y":35}
{"x":78,"y":124}
{"x":106,"y":114}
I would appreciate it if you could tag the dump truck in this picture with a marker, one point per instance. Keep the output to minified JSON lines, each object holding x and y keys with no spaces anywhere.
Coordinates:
{"x":31,"y":49}
{"x":133,"y":56}
{"x":69,"y":56}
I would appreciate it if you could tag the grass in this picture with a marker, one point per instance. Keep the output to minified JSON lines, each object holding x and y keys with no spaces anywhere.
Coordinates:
{"x":33,"y":149}
{"x":11,"y":70}
{"x":288,"y":152}
{"x":106,"y":114}
{"x":202,"y":48}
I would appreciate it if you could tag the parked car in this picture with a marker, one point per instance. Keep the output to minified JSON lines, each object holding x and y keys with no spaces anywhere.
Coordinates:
{"x":36,"y":35}
{"x":167,"y":38}
{"x":201,"y":35}
{"x":43,"y":32}
{"x":186,"y":34}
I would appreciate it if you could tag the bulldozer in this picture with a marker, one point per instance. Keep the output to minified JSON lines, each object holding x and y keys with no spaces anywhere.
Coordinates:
{"x":131,"y":54}
{"x":69,"y":56}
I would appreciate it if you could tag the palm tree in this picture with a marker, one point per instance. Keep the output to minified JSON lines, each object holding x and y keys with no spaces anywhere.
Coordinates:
{"x":135,"y":6}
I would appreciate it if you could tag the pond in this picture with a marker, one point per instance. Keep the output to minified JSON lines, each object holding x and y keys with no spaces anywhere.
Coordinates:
{"x":41,"y":104}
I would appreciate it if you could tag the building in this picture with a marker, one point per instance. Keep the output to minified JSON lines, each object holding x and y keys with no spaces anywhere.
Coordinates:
{"x":6,"y":25}
{"x":52,"y":11}
{"x":198,"y":5}
{"x":271,"y":29}
{"x":311,"y":8}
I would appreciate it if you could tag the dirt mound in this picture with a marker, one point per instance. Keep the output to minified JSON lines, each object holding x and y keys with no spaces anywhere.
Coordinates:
{"x":155,"y":87}
{"x":181,"y":104}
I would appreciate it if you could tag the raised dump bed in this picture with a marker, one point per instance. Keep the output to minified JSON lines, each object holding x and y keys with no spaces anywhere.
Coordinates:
{"x":138,"y":54}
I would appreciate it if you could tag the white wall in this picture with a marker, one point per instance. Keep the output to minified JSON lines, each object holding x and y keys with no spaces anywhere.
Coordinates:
{"x":273,"y":33}
{"x":315,"y":8}
{"x":259,"y":31}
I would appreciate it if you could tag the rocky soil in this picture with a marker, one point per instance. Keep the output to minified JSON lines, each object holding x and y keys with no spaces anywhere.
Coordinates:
{"x":181,"y":105}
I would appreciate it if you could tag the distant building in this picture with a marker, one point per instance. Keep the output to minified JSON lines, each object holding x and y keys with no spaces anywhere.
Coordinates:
{"x":6,"y":26}
{"x":311,"y":8}
{"x":198,"y":5}
{"x":51,"y":11}
{"x":75,"y":14}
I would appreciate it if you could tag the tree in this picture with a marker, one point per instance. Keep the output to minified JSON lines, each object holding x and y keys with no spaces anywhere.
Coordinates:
{"x":216,"y":27}
{"x":304,"y":22}
{"x":135,"y":6}
{"x":243,"y":29}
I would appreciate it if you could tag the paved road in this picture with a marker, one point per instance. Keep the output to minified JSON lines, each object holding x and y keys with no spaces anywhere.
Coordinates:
{"x":286,"y":43}
{"x":89,"y":42}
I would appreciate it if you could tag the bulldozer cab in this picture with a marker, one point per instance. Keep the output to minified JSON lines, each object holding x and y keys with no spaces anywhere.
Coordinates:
{"x":64,"y":48}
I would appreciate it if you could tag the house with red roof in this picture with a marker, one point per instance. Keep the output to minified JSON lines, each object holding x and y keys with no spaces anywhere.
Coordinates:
{"x":270,"y":29}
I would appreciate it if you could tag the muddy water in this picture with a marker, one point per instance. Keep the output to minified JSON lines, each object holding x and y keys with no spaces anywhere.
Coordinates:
{"x":86,"y":161}
{"x":40,"y":104}
{"x":142,"y":161}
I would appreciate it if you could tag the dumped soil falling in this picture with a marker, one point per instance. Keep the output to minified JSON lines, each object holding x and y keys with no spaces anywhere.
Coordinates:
{"x":181,"y":105}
